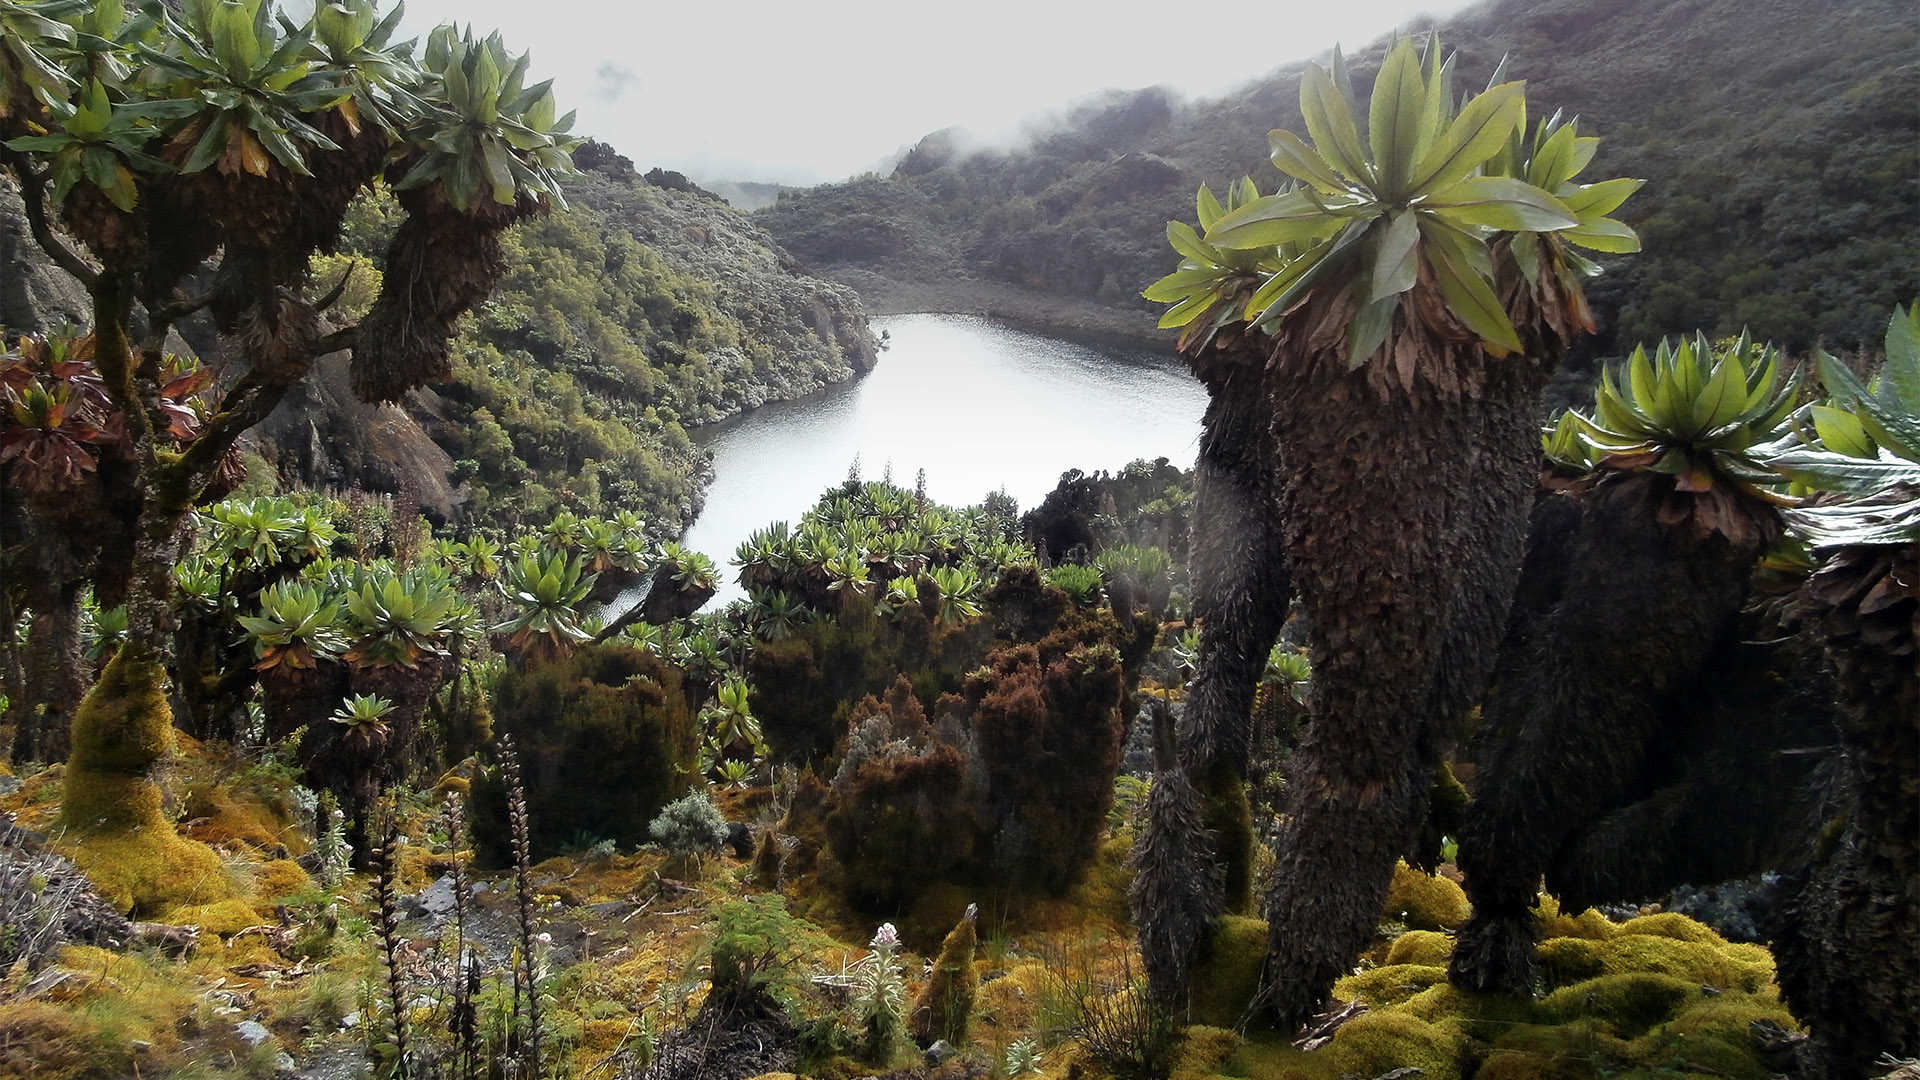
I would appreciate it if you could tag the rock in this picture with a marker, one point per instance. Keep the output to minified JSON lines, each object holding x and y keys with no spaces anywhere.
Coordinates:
{"x":350,"y":1021}
{"x":940,"y":1052}
{"x":437,"y":899}
{"x":283,"y":1063}
{"x":252,"y":1032}
{"x":64,"y":893}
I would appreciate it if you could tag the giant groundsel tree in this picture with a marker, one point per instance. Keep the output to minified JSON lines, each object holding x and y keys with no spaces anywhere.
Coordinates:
{"x":201,"y":153}
{"x":1414,"y":289}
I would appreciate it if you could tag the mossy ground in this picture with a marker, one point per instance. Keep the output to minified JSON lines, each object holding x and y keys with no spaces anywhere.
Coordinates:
{"x":1657,"y":995}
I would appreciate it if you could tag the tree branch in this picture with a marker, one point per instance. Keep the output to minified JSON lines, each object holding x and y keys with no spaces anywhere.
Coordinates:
{"x":338,"y":341}
{"x":33,"y":195}
{"x":181,"y":307}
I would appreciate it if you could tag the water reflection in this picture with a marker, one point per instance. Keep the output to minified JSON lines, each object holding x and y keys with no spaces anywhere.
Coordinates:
{"x":978,"y":405}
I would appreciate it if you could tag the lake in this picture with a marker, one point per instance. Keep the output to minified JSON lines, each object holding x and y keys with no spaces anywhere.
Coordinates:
{"x":978,"y":405}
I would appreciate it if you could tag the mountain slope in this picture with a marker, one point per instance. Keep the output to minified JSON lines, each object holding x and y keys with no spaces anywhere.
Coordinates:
{"x":1779,"y":145}
{"x":640,"y":313}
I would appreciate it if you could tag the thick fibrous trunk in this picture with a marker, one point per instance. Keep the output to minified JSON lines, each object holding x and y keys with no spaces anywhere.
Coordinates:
{"x":1177,"y":883}
{"x":1404,"y":515}
{"x":1577,"y":698}
{"x":1195,"y":853}
{"x":1846,"y":942}
{"x":1727,"y":790}
{"x":1240,"y":599}
{"x":55,"y":678}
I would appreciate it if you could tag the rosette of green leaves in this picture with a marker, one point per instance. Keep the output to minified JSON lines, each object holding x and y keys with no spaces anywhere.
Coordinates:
{"x":262,"y":532}
{"x":548,"y":588}
{"x":240,"y":87}
{"x":104,"y":37}
{"x":690,"y":569}
{"x":959,"y":593}
{"x":1695,"y":414}
{"x":776,"y":613}
{"x":400,"y":619}
{"x":483,"y":134}
{"x":1552,"y":161}
{"x":351,"y":38}
{"x":29,"y":32}
{"x":1867,"y":445}
{"x":729,"y":720}
{"x":1212,"y":284}
{"x":94,"y":141}
{"x":297,"y":626}
{"x":364,"y":716}
{"x":1415,"y":201}
{"x":1567,"y":452}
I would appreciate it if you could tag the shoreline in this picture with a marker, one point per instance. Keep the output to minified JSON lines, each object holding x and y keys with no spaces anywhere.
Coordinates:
{"x":1081,"y":321}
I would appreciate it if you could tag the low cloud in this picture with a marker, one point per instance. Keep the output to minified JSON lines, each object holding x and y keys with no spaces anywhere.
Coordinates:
{"x":611,"y":81}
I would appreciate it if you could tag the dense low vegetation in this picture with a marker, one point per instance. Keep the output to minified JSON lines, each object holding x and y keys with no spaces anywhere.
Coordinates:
{"x":305,"y":782}
{"x":642,"y":312}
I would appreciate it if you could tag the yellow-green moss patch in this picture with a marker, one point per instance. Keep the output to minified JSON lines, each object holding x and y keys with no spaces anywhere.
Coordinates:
{"x":1389,"y":985}
{"x":1425,"y":901}
{"x":1376,"y":1042}
{"x":1227,"y":980}
{"x":1632,"y":1003}
{"x":1427,"y":947}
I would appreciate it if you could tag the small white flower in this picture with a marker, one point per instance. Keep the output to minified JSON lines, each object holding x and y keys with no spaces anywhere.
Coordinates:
{"x":886,"y":937}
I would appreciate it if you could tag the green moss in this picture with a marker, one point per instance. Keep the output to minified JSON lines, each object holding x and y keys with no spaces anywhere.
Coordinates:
{"x":1713,"y":1037}
{"x":1670,"y":925}
{"x":224,"y":917}
{"x":1389,"y":985}
{"x":111,"y":809}
{"x":1376,"y":1042}
{"x":1631,"y":1003}
{"x":1566,"y":960}
{"x":945,"y":1004}
{"x":122,"y":728}
{"x":1425,"y":901}
{"x":1726,"y":967}
{"x":1426,"y":947}
{"x":1228,"y":818}
{"x":1225,"y":982}
{"x":1589,"y":924}
{"x":1204,"y":1052}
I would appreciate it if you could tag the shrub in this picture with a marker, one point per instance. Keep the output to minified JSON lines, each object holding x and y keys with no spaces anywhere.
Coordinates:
{"x":606,"y":739}
{"x":1048,"y":732}
{"x":690,"y":825}
{"x":1078,"y":581}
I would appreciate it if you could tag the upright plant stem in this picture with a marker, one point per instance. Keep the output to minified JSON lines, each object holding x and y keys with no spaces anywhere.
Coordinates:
{"x":523,"y":893}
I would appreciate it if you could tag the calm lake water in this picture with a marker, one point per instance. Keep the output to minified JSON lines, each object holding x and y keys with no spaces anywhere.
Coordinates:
{"x":978,"y":405}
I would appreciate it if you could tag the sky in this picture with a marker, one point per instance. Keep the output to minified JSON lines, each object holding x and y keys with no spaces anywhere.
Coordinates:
{"x":805,"y":92}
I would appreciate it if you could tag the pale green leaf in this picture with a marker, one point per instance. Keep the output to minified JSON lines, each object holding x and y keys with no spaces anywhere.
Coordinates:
{"x":1329,"y":121}
{"x":1842,"y":432}
{"x":1300,"y":161}
{"x":1369,"y":329}
{"x":1594,"y":200}
{"x":1394,"y":114}
{"x":1472,"y":301}
{"x":1272,"y":220}
{"x":1499,"y":202}
{"x":1396,"y":264}
{"x":1604,"y":234}
{"x":1207,"y":208}
{"x":1475,"y":135}
{"x":1188,"y":243}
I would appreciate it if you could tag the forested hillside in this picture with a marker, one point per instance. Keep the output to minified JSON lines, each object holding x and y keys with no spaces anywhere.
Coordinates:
{"x":1779,"y":146}
{"x":641,"y":312}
